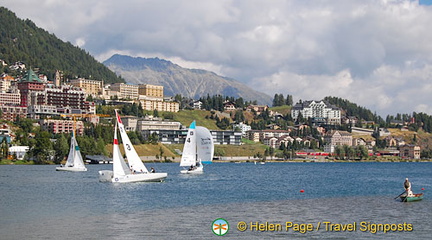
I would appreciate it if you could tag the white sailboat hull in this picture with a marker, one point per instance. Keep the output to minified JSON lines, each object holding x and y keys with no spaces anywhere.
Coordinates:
{"x":108,"y":176}
{"x":197,"y":170}
{"x":72,"y":169}
{"x":136,"y":172}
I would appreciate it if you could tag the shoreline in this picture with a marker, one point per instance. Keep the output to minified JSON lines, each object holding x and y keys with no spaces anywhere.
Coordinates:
{"x":299,"y":160}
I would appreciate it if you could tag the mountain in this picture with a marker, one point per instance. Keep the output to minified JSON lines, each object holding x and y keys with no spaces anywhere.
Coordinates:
{"x":23,"y":41}
{"x":193,"y":83}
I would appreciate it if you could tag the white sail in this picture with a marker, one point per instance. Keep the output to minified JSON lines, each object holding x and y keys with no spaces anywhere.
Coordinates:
{"x":205,"y":145}
{"x":74,"y":161}
{"x":119,"y":165}
{"x":189,"y":150}
{"x":134,"y":160}
{"x":78,"y":160}
{"x":121,"y":172}
{"x":71,"y":155}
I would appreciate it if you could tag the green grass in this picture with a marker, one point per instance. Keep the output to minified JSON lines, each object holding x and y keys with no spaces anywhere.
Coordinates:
{"x":15,"y":162}
{"x":185,"y":117}
{"x":248,"y":149}
{"x":285,"y":109}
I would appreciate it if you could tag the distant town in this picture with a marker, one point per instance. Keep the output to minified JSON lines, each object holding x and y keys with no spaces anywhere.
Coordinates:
{"x":54,"y":104}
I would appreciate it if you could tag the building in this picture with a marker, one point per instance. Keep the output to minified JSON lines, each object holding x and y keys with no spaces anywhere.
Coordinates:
{"x":18,"y":152}
{"x":10,"y":98}
{"x":38,"y":111}
{"x":197,"y":105}
{"x":409,"y":151}
{"x":91,"y":87}
{"x":10,"y":113}
{"x":362,"y":131}
{"x":243,"y":128}
{"x":258,"y":109}
{"x":62,"y":126}
{"x":229,"y":106}
{"x":337,"y":138}
{"x":125,"y":91}
{"x":6,"y":82}
{"x":151,"y":90}
{"x":66,"y":98}
{"x":28,"y":84}
{"x":179,"y":136}
{"x":159,"y":105}
{"x":319,"y":111}
{"x":260,"y":135}
{"x":130,"y":123}
{"x":156,"y":125}
{"x":226,"y":137}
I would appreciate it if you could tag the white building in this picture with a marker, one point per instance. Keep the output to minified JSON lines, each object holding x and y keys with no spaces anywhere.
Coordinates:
{"x":317,"y":110}
{"x":18,"y":151}
{"x":243,"y":127}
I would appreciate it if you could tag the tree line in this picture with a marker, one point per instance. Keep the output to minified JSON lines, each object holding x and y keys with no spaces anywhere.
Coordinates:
{"x":23,"y":41}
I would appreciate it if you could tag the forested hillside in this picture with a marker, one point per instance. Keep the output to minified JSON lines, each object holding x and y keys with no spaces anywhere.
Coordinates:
{"x":23,"y":41}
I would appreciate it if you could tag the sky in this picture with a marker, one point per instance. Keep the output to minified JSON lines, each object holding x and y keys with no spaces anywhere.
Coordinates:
{"x":375,"y":53}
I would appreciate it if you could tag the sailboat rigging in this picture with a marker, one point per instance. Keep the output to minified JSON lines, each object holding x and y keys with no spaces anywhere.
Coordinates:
{"x":198,"y":148}
{"x":136,"y":172}
{"x":74,"y":162}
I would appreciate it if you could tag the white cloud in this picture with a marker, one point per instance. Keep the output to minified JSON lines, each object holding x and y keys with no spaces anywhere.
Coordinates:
{"x":376,"y":53}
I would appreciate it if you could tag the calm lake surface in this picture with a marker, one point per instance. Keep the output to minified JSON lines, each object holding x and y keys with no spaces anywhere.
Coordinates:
{"x":36,"y":202}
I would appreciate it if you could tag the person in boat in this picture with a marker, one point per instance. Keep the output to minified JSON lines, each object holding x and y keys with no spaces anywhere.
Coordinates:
{"x":407,"y":186}
{"x":152,"y":170}
{"x":191,"y":168}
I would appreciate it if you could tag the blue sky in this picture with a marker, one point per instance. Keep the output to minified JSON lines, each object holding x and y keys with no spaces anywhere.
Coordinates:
{"x":376,"y":53}
{"x":425,"y":2}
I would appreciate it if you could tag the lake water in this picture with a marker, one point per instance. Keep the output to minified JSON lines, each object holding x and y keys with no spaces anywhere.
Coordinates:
{"x":36,"y":202}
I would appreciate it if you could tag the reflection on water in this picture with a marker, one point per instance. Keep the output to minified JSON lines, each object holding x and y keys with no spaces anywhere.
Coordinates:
{"x":39,"y":203}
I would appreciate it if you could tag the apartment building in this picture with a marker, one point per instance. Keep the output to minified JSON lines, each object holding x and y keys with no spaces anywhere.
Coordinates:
{"x":410,"y":151}
{"x":10,"y":113}
{"x":159,"y":105}
{"x":317,"y":110}
{"x":125,"y":91}
{"x":337,"y":138}
{"x":6,"y":82}
{"x":62,"y":126}
{"x":10,"y":98}
{"x":91,"y":87}
{"x":151,"y":90}
{"x":66,"y":98}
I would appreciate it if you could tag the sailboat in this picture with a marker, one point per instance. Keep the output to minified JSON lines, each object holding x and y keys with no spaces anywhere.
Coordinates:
{"x":198,"y":149}
{"x":122,"y":173}
{"x":74,"y":162}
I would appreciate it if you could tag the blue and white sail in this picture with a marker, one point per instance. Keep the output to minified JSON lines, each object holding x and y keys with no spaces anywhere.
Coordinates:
{"x":205,"y":145}
{"x":189,"y":150}
{"x":198,"y":148}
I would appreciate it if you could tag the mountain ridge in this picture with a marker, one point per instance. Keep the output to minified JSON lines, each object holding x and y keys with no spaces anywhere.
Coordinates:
{"x":193,"y":83}
{"x":23,"y":41}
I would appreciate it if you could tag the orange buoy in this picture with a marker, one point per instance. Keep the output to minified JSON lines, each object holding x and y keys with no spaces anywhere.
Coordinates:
{"x":302,"y":190}
{"x":422,"y":188}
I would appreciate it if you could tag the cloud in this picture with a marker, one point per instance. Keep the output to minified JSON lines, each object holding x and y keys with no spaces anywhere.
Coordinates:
{"x":376,"y":53}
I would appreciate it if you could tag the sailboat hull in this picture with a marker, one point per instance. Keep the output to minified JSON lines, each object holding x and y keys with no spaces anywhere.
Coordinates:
{"x":198,"y":170}
{"x":71,"y":169}
{"x":108,"y":176}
